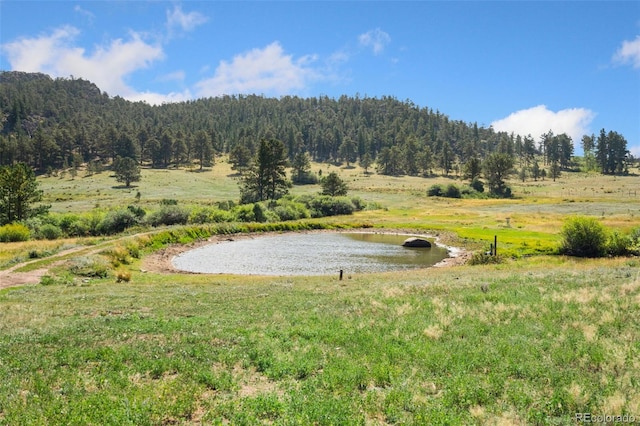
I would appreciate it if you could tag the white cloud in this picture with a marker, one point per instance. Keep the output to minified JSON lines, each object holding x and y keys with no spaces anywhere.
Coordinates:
{"x":159,"y":98}
{"x":177,"y":19}
{"x":40,"y":53}
{"x":267,"y":71}
{"x":629,"y":52}
{"x":538,"y":120}
{"x":107,"y":66}
{"x":376,"y":39}
{"x":85,"y":13}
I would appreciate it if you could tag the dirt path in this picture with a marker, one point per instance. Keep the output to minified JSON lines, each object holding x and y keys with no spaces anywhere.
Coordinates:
{"x":10,"y":277}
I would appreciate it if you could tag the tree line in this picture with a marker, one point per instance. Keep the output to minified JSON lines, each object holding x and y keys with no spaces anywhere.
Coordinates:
{"x":60,"y":123}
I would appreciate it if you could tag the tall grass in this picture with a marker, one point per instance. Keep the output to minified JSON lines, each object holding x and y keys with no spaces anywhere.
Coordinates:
{"x":546,"y":339}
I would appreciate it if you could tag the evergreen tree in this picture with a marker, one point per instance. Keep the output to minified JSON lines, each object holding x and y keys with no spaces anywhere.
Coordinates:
{"x":611,"y":152}
{"x":127,"y":170}
{"x":240,"y":158}
{"x":366,"y":161}
{"x":267,"y":178}
{"x":301,"y":165}
{"x":334,"y":186}
{"x":203,"y":149}
{"x":588,"y":145}
{"x":18,"y":191}
{"x":472,"y":168}
{"x":497,"y":167}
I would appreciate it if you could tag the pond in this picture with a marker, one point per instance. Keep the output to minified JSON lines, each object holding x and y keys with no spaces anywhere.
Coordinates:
{"x":309,"y":254}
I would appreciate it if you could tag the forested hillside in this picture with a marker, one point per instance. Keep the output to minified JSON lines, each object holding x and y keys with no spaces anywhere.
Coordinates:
{"x":56,"y":123}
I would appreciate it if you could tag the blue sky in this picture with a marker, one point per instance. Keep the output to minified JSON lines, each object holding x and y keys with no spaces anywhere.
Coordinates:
{"x":525,"y":67}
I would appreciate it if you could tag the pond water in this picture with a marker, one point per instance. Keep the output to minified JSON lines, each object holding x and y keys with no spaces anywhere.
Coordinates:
{"x":309,"y":254}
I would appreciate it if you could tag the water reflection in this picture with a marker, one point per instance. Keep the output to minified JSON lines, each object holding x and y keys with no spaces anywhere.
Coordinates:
{"x":309,"y":254}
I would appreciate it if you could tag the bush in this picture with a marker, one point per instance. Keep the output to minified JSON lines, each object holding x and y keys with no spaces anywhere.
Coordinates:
{"x":210,"y":215}
{"x":619,"y":244}
{"x":358,"y":203}
{"x":47,"y":280}
{"x":291,"y":211}
{"x":259,"y":212}
{"x":137,"y":211}
{"x":92,"y":266}
{"x":435,"y":191}
{"x":477,"y":185}
{"x":123,"y":276}
{"x":13,"y":232}
{"x":49,"y":231}
{"x":326,"y":205}
{"x":117,"y":221}
{"x":635,"y":239}
{"x":66,"y":222}
{"x":485,"y":259}
{"x":244,"y":213}
{"x":119,"y":256}
{"x":583,"y":237}
{"x":168,"y":215}
{"x":452,"y":191}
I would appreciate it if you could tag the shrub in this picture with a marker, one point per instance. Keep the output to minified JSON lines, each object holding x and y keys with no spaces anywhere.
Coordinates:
{"x":635,"y":239}
{"x":88,"y":224}
{"x":67,"y":222}
{"x":123,"y":276}
{"x":291,"y":211}
{"x":117,"y":221}
{"x":326,"y":205}
{"x":92,"y":266}
{"x":244,"y":213}
{"x":619,"y":244}
{"x":226,"y":205}
{"x":452,"y":191}
{"x":477,"y":185}
{"x":168,"y":215}
{"x":435,"y":191}
{"x":13,"y":232}
{"x":210,"y":215}
{"x":49,"y":231}
{"x":583,"y":237}
{"x":118,"y":255}
{"x":358,"y":203}
{"x":47,"y":280}
{"x":483,"y":258}
{"x":259,"y":212}
{"x":137,"y":211}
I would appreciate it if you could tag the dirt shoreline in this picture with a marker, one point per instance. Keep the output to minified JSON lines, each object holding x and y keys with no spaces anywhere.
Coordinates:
{"x":161,"y":261}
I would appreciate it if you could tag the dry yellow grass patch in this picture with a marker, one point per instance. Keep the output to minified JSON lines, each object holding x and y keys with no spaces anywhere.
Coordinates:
{"x":507,"y":418}
{"x":614,"y":404}
{"x":433,"y":332}
{"x":253,"y":383}
{"x":404,"y":309}
{"x":392,"y":292}
{"x":579,"y":395}
{"x":477,"y":412}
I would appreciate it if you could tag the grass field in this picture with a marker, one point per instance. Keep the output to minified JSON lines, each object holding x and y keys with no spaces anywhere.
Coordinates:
{"x":531,"y":341}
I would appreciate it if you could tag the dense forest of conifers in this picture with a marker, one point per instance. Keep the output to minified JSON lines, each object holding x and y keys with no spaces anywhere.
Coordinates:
{"x":57,"y":123}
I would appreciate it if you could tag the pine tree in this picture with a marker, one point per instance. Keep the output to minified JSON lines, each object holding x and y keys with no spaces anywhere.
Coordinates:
{"x":333,"y":185}
{"x":267,"y":178}
{"x":18,"y":191}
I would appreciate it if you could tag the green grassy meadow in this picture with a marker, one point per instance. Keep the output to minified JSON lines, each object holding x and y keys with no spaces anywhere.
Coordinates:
{"x":533,"y":340}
